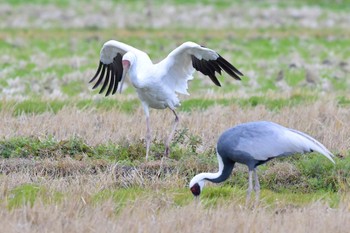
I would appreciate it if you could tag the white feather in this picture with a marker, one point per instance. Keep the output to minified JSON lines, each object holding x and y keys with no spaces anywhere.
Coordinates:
{"x":178,"y":65}
{"x":112,"y":47}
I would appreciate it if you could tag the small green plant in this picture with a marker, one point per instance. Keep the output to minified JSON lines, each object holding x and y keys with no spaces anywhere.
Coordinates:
{"x":343,"y":101}
{"x":121,"y":196}
{"x":27,"y":194}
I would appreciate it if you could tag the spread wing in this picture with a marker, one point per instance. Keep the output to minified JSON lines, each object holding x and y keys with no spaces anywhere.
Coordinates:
{"x":110,"y":69}
{"x":182,"y":61}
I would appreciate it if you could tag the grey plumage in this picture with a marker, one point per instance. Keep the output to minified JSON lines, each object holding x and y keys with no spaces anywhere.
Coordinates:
{"x":253,"y":144}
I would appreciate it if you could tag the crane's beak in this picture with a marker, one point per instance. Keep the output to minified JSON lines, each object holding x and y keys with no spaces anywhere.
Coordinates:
{"x":197,"y":200}
{"x":126,"y":66}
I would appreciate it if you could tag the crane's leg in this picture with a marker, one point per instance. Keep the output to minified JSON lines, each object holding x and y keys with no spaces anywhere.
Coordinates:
{"x":148,"y":137}
{"x":148,"y":132}
{"x":256,"y":186}
{"x":167,"y":149}
{"x":250,"y":186}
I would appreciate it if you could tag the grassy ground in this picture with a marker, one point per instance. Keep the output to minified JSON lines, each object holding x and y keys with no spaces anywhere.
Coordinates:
{"x":72,"y":160}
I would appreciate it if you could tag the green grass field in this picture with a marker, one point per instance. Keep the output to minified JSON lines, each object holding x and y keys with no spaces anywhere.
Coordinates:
{"x":73,"y":160}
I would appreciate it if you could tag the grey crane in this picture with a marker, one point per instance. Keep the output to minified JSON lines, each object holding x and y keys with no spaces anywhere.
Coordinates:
{"x":253,"y":144}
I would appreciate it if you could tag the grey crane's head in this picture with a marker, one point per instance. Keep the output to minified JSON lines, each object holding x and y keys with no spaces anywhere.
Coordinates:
{"x":196,"y":185}
{"x":127,"y":61}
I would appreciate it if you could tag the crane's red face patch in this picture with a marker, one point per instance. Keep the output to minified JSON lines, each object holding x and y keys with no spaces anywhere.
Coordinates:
{"x":126,"y":64}
{"x":196,"y":189}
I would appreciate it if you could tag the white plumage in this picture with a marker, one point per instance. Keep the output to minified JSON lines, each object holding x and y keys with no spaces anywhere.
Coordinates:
{"x":157,"y":85}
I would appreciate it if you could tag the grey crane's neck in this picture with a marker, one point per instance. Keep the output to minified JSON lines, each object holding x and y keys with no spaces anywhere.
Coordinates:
{"x":225,"y":169}
{"x":223,"y":175}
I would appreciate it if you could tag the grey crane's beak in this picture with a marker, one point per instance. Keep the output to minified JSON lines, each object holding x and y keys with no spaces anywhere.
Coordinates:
{"x":126,"y":66}
{"x":197,"y":201}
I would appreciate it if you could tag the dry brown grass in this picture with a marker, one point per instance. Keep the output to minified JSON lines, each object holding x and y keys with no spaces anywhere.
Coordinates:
{"x":235,"y":218}
{"x":156,"y":210}
{"x":156,"y":214}
{"x":153,"y":211}
{"x":322,"y":119}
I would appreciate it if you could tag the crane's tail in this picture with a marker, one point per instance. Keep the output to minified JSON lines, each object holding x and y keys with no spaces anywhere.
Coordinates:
{"x":315,"y":145}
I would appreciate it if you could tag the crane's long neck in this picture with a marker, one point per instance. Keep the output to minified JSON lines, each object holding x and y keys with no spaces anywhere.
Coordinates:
{"x":225,"y":169}
{"x":141,"y":70}
{"x":222,"y":174}
{"x":135,"y":76}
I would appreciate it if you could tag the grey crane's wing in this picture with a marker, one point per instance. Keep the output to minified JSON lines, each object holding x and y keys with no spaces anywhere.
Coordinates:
{"x":314,"y":145}
{"x":266,"y":140}
{"x":110,"y":69}
{"x":188,"y":57}
{"x":264,"y":145}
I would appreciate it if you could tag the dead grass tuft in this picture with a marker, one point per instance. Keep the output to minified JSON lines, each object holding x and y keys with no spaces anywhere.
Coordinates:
{"x":282,"y":175}
{"x":52,"y":168}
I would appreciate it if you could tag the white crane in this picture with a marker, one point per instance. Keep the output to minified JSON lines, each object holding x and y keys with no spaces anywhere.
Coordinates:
{"x":157,"y":85}
{"x":253,"y":144}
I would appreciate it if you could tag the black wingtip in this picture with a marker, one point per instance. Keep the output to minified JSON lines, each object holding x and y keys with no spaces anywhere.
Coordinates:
{"x":107,"y":79}
{"x":100,"y":78}
{"x":97,"y":72}
{"x":228,"y":64}
{"x":229,"y":68}
{"x":108,"y":76}
{"x":215,"y":80}
{"x":111,"y":83}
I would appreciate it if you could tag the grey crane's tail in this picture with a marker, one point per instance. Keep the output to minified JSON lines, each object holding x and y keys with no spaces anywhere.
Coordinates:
{"x":316,"y":145}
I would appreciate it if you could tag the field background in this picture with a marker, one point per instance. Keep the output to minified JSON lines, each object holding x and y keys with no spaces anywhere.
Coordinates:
{"x":74,"y":161}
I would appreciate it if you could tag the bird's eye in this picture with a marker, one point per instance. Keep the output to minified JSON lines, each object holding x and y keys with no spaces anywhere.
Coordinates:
{"x":195,"y":189}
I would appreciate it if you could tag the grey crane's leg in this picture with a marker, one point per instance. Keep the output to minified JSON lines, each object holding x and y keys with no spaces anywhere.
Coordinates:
{"x":250,"y":186}
{"x":167,"y":149}
{"x":256,"y":185}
